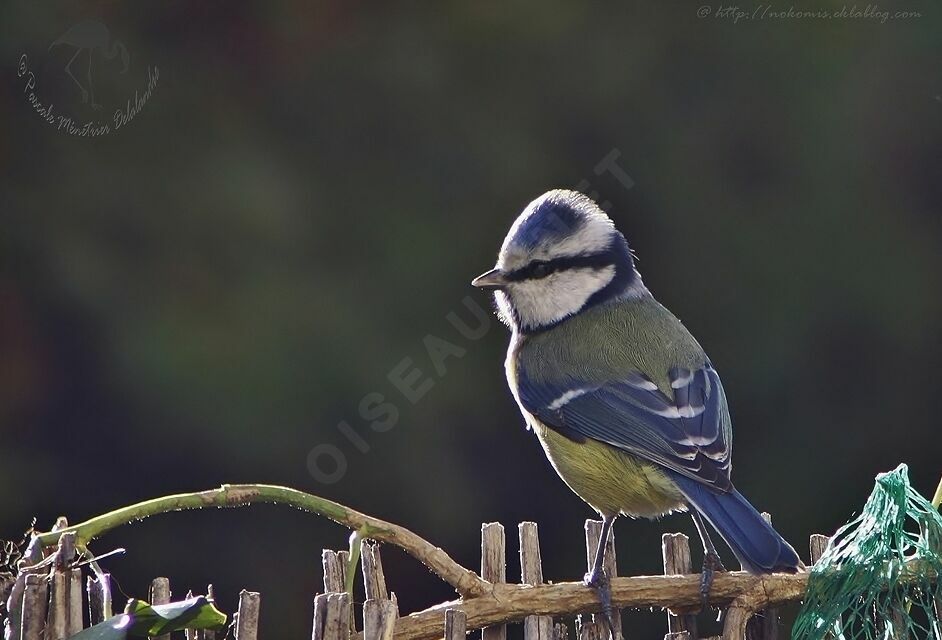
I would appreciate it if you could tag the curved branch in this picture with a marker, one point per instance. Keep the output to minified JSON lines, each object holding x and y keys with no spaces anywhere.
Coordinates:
{"x":511,"y":603}
{"x":466,"y":582}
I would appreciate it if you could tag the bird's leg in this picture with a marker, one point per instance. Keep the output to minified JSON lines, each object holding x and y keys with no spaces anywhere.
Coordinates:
{"x":597,"y":578}
{"x":711,"y":559}
{"x":68,"y":70}
{"x":90,"y":87}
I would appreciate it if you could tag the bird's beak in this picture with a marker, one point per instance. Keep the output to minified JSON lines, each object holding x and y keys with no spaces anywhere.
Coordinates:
{"x":490,"y":280}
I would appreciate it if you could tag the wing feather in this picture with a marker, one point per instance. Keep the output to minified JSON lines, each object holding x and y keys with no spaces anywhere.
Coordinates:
{"x":688,"y":433}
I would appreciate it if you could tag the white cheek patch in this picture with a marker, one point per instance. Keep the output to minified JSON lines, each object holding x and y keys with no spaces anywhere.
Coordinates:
{"x":504,"y":309}
{"x":547,"y":300}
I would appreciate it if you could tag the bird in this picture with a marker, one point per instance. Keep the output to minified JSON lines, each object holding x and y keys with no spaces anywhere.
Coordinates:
{"x":89,"y":36}
{"x":623,"y":399}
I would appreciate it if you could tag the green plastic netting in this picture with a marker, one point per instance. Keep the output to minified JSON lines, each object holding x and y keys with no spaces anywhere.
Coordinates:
{"x":878,"y":576}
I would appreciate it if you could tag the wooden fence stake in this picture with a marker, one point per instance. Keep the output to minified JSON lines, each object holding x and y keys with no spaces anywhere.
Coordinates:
{"x":374,"y":582}
{"x":320,"y":616}
{"x":587,"y":629}
{"x":456,"y":624}
{"x":60,"y":578}
{"x":763,"y":625}
{"x":13,"y":627}
{"x":593,"y":531}
{"x":207,"y":634}
{"x":675,"y":549}
{"x":331,"y":617}
{"x":379,"y":619}
{"x":159,"y":593}
{"x":97,"y":591}
{"x":334,"y":570}
{"x":380,"y":610}
{"x":818,"y":543}
{"x":32,"y":557}
{"x":531,"y":572}
{"x":493,"y":568}
{"x":75,"y":623}
{"x":35,"y":603}
{"x":339,"y":628}
{"x":246,"y":618}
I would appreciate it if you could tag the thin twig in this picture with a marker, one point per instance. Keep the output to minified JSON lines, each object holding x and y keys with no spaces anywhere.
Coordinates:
{"x":465,"y":581}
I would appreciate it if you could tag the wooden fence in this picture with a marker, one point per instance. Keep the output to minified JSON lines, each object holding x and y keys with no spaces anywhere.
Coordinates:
{"x":52,"y":604}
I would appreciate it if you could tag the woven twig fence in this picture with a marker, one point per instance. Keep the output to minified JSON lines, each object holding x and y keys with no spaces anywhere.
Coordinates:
{"x":47,"y":600}
{"x":55,"y":604}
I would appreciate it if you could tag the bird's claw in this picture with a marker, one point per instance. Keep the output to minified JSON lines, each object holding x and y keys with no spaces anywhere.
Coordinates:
{"x":711,"y":564}
{"x":600,"y":582}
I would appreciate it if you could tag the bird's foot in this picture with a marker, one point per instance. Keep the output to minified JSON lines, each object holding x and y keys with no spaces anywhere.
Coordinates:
{"x":96,"y":106}
{"x":711,"y":564}
{"x":600,"y":582}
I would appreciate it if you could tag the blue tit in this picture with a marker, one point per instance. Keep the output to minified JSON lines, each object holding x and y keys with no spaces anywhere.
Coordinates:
{"x":626,"y":404}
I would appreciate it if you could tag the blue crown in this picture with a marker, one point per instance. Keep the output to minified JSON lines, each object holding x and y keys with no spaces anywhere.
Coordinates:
{"x":560,"y":214}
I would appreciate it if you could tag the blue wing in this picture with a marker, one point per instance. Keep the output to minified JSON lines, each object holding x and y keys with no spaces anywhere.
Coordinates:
{"x":689,"y":433}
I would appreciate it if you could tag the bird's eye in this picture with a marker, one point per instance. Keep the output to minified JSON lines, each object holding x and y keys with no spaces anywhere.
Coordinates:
{"x":539,"y":270}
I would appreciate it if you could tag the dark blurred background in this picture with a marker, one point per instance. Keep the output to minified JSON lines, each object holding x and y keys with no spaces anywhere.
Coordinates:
{"x":205,"y":293}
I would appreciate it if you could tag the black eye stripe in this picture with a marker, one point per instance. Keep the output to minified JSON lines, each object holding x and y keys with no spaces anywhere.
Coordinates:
{"x":540,"y":269}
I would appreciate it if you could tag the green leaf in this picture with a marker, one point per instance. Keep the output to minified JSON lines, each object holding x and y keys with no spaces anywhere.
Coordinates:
{"x":141,"y":620}
{"x":115,"y":628}
{"x":193,"y":613}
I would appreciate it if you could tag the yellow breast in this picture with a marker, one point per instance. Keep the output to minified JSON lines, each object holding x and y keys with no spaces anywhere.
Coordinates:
{"x":609,"y":479}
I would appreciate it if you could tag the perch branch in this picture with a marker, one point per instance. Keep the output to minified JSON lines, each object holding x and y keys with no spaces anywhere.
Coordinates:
{"x":744,"y":592}
{"x":506,"y":603}
{"x":466,"y":582}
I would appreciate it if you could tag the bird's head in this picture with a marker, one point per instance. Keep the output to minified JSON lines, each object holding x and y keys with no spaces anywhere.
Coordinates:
{"x":562,"y":255}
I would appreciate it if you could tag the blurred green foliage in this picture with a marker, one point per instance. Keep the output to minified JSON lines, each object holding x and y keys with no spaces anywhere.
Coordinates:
{"x":309,"y":189}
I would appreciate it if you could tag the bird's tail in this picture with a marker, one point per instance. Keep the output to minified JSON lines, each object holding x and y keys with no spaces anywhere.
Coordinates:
{"x":759,"y":547}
